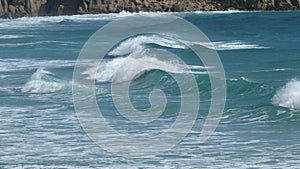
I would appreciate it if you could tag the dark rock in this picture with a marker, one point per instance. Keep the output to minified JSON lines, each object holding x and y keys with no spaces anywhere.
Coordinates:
{"x":1,"y":9}
{"x":4,"y":6}
{"x":18,"y":8}
{"x":60,"y":10}
{"x":12,"y":11}
{"x":80,"y":10}
{"x":21,"y":11}
{"x":112,"y":8}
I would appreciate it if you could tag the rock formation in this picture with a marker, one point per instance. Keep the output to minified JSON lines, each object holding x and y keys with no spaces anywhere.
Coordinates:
{"x":20,"y":8}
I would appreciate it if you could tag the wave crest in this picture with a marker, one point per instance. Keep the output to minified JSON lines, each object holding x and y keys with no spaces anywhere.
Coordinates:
{"x":138,"y":43}
{"x":43,"y":81}
{"x":289,"y":95}
{"x":230,"y":45}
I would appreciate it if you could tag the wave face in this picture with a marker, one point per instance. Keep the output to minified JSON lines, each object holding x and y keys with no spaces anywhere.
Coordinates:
{"x":289,"y":95}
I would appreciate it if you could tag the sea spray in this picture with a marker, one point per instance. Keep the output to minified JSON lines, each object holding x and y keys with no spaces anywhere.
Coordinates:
{"x":289,"y":95}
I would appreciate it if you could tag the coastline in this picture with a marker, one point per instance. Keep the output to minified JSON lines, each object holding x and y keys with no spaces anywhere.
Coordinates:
{"x":28,"y":8}
{"x":259,"y":50}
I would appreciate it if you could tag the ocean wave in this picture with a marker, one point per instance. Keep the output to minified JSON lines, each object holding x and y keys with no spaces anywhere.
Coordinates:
{"x":43,"y":81}
{"x":281,"y":69}
{"x":14,"y":36}
{"x":240,"y":79}
{"x":7,"y":65}
{"x":35,"y":43}
{"x":45,"y":20}
{"x":235,"y":45}
{"x":230,"y":45}
{"x":31,"y":21}
{"x":265,"y":113}
{"x":6,"y":90}
{"x":220,"y":12}
{"x":132,"y":57}
{"x":128,"y":68}
{"x":3,"y":76}
{"x":274,"y":70}
{"x":244,"y":88}
{"x":138,"y":43}
{"x":289,"y":95}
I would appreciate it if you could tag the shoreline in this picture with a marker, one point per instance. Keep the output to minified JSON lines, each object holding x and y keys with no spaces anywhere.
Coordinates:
{"x":107,"y":16}
{"x":30,"y":8}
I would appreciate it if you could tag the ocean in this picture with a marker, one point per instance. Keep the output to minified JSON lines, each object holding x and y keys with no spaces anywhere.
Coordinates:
{"x":259,"y":127}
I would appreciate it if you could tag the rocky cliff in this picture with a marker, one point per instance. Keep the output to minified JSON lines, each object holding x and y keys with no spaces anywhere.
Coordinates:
{"x":19,"y":8}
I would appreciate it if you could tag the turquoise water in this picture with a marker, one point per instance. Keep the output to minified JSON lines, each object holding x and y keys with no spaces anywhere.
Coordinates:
{"x":259,"y":128}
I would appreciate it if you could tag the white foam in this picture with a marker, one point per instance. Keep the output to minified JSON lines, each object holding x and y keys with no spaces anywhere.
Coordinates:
{"x":123,"y":69}
{"x":3,"y":76}
{"x":241,"y":78}
{"x":138,"y":43}
{"x":43,"y":81}
{"x":220,"y":12}
{"x":35,"y":43}
{"x":199,"y":67}
{"x":45,"y":20}
{"x":42,"y":20}
{"x":289,"y":95}
{"x":105,"y":71}
{"x":173,"y":43}
{"x":231,"y":45}
{"x":45,"y":166}
{"x":29,"y":64}
{"x":14,"y":36}
{"x":132,"y":67}
{"x":281,"y":70}
{"x":274,"y":70}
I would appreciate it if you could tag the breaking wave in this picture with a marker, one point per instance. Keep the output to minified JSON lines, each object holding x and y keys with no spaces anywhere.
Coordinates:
{"x":289,"y":95}
{"x":138,"y":43}
{"x":42,"y":21}
{"x":43,"y":81}
{"x":133,"y":57}
{"x":231,"y":45}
